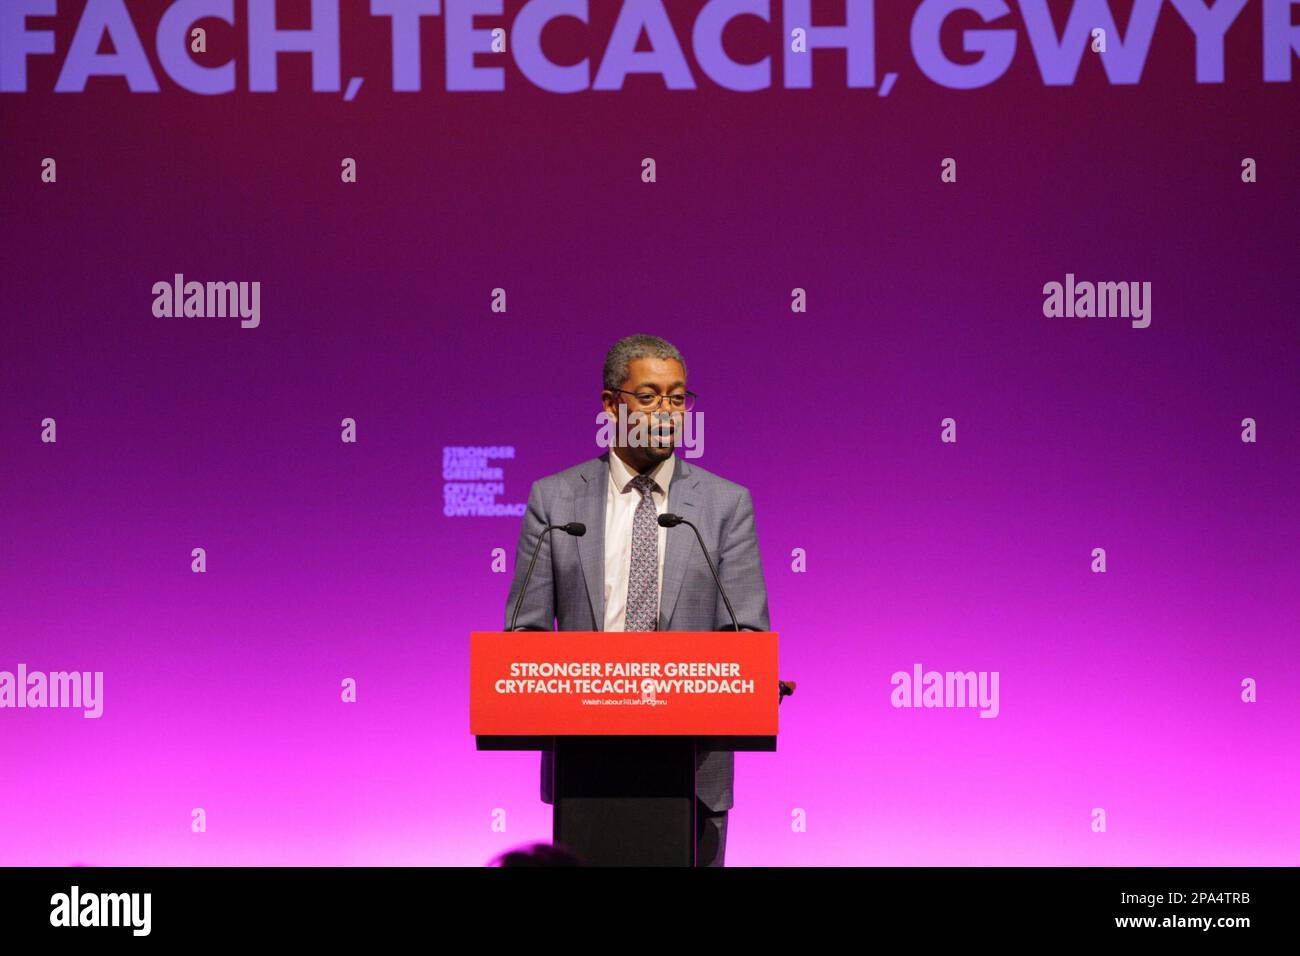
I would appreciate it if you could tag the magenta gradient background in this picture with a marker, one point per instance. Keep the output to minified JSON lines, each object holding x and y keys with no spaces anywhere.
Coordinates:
{"x":329,"y":560}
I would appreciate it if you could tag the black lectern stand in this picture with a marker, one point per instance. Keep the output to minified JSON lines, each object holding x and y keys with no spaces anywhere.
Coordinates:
{"x":624,"y":800}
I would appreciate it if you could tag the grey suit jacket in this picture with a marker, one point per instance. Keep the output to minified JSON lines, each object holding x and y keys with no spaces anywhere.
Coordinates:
{"x":568,"y":584}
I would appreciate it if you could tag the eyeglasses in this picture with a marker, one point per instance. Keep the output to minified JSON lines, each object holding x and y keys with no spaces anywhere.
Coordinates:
{"x":647,"y":398}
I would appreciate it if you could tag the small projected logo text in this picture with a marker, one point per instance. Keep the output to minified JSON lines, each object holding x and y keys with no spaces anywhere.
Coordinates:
{"x":471,"y":484}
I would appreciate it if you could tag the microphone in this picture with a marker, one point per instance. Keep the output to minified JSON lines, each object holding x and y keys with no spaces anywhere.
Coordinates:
{"x":672,"y":521}
{"x":575,"y":528}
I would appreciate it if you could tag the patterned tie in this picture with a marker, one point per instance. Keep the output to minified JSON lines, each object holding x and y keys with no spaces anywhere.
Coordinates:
{"x":643,"y":574}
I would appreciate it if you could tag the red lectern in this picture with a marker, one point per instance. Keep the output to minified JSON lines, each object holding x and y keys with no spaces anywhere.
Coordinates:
{"x":625,"y":715}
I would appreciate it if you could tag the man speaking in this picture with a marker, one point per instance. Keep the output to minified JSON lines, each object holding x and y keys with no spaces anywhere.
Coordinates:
{"x":627,"y":573}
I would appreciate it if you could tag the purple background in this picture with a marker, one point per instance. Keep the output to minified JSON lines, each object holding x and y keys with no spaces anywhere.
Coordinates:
{"x":328,"y":560}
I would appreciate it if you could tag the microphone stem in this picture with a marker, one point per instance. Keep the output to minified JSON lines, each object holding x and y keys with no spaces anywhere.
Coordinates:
{"x":519,"y":601}
{"x":716,"y":580}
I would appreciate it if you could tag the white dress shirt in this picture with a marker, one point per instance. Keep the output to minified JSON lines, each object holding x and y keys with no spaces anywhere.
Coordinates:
{"x":621,"y":501}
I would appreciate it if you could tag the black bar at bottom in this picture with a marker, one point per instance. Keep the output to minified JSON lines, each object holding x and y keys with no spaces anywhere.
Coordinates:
{"x":1228,"y":908}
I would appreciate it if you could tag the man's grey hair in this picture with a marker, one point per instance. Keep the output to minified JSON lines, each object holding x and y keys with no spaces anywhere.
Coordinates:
{"x":627,"y":350}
